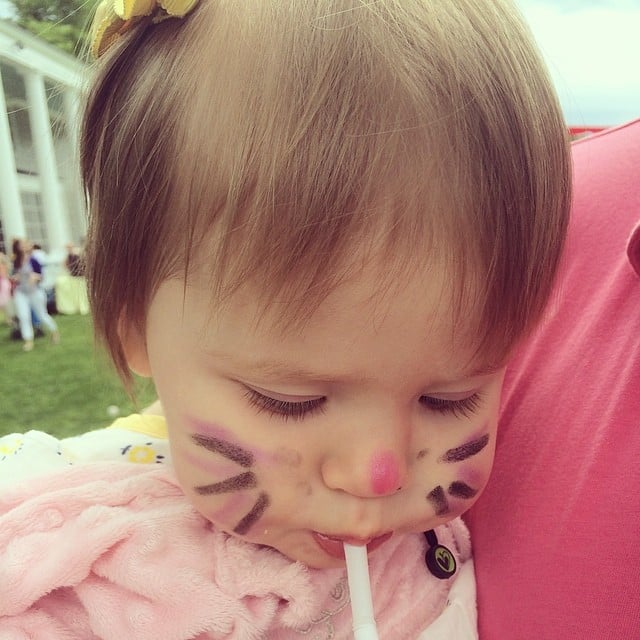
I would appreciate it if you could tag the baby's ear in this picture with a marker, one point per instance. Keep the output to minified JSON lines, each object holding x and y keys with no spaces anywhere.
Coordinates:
{"x":134,"y":346}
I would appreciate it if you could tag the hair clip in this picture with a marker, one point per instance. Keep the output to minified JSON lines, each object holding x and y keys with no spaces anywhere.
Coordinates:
{"x":113,"y":18}
{"x":438,"y":558}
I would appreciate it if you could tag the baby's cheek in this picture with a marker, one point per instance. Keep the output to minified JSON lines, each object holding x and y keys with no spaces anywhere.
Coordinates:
{"x":199,"y":468}
{"x":474,"y":475}
{"x":461,"y":490}
{"x":226,"y":511}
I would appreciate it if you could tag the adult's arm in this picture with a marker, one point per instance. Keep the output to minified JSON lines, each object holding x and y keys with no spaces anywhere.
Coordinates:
{"x":556,"y":533}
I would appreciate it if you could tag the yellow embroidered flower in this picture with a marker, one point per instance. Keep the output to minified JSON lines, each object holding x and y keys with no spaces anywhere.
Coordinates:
{"x":9,"y":446}
{"x":142,"y":454}
{"x":115,"y":17}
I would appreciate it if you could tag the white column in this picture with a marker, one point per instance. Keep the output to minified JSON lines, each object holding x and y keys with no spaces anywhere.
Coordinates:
{"x":13,"y":225}
{"x":71,"y":102}
{"x":54,"y":210}
{"x":72,"y":117}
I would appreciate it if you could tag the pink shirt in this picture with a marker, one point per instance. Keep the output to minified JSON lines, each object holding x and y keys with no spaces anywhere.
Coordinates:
{"x":556,"y":535}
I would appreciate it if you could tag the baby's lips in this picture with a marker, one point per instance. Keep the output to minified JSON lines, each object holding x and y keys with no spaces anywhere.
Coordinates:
{"x":334,"y":545}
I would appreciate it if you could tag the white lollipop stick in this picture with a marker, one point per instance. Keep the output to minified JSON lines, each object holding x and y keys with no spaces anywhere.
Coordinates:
{"x":364,"y":624}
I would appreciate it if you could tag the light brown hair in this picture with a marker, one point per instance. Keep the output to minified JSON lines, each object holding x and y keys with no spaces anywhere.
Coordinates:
{"x":266,"y":139}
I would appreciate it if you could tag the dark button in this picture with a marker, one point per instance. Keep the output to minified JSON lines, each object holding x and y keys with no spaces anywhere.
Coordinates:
{"x":439,"y":560}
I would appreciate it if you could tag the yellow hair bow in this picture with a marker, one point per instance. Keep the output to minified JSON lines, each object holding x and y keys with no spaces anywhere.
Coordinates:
{"x":115,"y":17}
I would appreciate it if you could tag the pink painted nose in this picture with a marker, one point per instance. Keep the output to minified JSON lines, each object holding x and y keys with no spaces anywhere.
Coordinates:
{"x":385,"y":473}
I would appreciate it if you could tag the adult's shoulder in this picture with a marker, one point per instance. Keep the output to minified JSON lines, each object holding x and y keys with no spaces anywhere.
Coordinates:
{"x":606,"y":195}
{"x":555,"y":532}
{"x":613,"y":139}
{"x":595,"y":307}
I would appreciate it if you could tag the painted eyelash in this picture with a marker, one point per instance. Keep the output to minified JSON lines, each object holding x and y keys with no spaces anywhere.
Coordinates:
{"x":282,"y":408}
{"x":458,"y":408}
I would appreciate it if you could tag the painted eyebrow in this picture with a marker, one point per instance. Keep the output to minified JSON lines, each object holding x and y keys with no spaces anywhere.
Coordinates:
{"x":226,"y":449}
{"x":457,"y":454}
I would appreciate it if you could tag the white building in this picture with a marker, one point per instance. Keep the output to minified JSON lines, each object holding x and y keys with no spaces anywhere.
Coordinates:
{"x":40,"y":193}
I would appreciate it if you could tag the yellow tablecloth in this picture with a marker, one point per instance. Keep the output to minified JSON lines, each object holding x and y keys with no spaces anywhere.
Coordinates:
{"x":71,"y":295}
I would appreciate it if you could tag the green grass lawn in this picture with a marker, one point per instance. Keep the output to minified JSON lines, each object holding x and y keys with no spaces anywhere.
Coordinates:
{"x":63,"y":389}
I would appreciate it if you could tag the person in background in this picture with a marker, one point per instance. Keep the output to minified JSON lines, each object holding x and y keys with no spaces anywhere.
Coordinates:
{"x":71,"y":287}
{"x":6,"y":308}
{"x":74,"y":261}
{"x":39,"y":255}
{"x":555,"y":533}
{"x":44,"y":286}
{"x":28,"y":295}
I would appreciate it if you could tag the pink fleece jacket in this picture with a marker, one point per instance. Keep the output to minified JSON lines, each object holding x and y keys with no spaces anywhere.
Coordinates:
{"x":555,"y":533}
{"x":114,"y":551}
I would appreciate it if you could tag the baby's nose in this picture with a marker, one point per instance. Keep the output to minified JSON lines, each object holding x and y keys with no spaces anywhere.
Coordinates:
{"x":369,"y":474}
{"x":384,"y":473}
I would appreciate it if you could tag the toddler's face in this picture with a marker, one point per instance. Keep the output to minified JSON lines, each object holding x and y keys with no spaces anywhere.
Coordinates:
{"x":364,"y":423}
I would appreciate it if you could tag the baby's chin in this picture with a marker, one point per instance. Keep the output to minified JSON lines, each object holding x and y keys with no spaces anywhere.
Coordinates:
{"x":294,"y":547}
{"x":305,"y":554}
{"x":311,"y":559}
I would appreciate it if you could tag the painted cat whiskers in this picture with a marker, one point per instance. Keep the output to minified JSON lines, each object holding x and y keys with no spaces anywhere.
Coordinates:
{"x":458,"y":488}
{"x":383,"y":472}
{"x":244,"y":480}
{"x":467,"y":450}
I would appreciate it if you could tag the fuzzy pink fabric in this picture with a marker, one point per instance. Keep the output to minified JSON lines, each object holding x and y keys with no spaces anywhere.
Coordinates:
{"x":115,"y":551}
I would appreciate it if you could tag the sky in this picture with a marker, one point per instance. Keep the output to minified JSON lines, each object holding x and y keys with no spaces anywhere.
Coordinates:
{"x":592,"y":48}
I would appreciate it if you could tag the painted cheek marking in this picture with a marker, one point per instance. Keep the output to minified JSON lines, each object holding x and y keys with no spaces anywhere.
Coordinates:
{"x":208,"y":464}
{"x":474,"y":477}
{"x":237,"y":483}
{"x":226,"y":449}
{"x":216,"y":439}
{"x":220,"y":434}
{"x":253,"y":516}
{"x":466,"y":450}
{"x":385,"y":475}
{"x":439,"y":501}
{"x":210,"y":429}
{"x":229,"y":510}
{"x":459,"y":489}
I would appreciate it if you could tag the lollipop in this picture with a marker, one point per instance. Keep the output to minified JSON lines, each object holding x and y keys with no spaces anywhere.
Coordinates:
{"x":364,"y":624}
